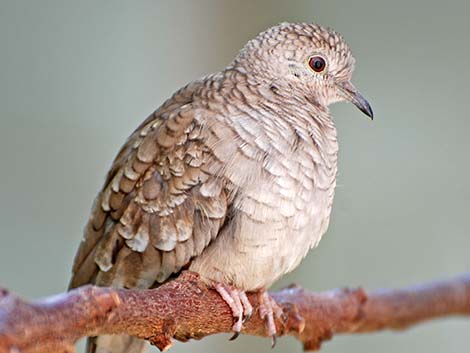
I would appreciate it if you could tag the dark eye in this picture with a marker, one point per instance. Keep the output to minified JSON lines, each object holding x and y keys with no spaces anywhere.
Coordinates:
{"x":317,"y":63}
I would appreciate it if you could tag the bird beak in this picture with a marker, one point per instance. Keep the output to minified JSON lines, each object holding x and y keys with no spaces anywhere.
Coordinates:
{"x":350,"y":93}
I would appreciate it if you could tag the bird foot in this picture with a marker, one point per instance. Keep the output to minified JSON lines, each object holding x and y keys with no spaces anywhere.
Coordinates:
{"x":242,"y":309}
{"x":238,"y":302}
{"x":268,"y":309}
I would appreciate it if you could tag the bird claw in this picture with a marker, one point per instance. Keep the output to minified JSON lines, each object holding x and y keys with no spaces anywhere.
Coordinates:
{"x":273,"y":341}
{"x":234,"y":336}
{"x":246,"y":318}
{"x":239,"y":304}
{"x":268,"y":308}
{"x":247,"y":307}
{"x":242,"y":309}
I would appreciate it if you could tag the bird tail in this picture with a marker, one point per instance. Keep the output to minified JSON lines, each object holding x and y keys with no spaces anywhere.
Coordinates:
{"x":115,"y":344}
{"x":127,"y":272}
{"x":89,"y":273}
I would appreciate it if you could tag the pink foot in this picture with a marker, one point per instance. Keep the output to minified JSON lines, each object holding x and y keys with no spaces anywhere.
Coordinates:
{"x":238,"y":302}
{"x":267,"y":309}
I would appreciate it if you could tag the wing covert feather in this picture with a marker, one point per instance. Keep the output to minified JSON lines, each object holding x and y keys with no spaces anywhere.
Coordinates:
{"x":159,"y":206}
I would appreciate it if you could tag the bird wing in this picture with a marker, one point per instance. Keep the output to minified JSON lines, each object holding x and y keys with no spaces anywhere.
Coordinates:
{"x":159,"y":206}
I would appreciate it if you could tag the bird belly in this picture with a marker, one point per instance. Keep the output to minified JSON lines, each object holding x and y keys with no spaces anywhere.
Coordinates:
{"x":265,"y":240}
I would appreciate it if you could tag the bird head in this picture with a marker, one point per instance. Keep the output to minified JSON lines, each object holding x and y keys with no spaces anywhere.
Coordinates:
{"x":306,"y":57}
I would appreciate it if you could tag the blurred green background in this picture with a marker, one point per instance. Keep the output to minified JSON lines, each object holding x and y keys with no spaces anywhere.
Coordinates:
{"x":76,"y":77}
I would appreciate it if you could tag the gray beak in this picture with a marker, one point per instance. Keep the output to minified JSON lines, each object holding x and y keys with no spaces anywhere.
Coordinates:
{"x":349,"y":92}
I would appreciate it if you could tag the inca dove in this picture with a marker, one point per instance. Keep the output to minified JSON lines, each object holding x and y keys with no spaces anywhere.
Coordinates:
{"x":232,"y":177}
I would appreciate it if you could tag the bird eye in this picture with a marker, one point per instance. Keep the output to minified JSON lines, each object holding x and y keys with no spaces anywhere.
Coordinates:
{"x":317,"y":63}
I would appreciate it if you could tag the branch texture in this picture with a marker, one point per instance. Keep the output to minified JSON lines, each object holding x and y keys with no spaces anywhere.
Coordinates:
{"x":186,"y":308}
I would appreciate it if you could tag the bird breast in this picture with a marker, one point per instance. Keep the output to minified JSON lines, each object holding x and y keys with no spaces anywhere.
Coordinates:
{"x":281,"y":165}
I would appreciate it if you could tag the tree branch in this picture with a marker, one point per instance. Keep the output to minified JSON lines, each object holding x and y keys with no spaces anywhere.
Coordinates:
{"x":185,"y":308}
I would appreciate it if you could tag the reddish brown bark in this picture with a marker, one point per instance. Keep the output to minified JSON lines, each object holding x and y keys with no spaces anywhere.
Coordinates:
{"x":185,"y":308}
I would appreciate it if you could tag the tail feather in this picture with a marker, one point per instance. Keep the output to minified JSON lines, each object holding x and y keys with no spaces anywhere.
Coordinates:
{"x":115,"y":344}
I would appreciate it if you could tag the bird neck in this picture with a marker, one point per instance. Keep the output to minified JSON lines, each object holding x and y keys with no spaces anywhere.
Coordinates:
{"x":273,"y":107}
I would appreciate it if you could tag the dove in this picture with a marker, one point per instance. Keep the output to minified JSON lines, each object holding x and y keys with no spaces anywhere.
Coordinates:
{"x":233,"y":177}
